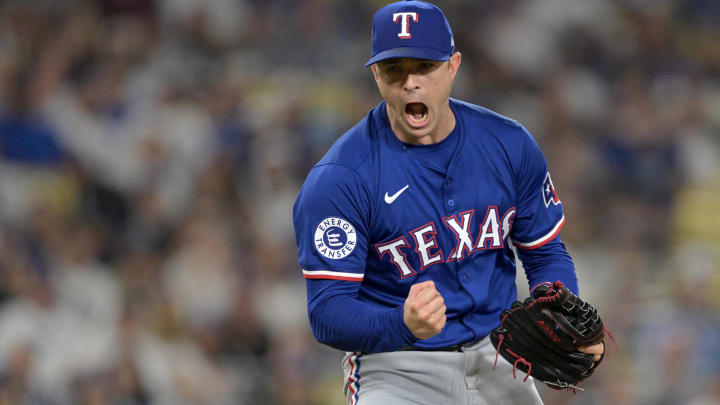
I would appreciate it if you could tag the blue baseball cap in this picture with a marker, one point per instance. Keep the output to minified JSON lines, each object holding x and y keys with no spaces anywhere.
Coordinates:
{"x":411,"y":29}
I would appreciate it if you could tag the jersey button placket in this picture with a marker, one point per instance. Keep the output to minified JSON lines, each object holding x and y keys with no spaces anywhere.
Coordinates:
{"x":448,"y":186}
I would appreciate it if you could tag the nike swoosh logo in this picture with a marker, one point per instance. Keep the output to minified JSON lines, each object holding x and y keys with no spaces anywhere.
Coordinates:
{"x":390,"y":198}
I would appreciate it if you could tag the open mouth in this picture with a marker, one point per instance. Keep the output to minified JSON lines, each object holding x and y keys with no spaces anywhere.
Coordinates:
{"x":416,"y":114}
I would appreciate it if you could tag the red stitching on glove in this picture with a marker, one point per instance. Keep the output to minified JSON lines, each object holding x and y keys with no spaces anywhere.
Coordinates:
{"x":520,"y":359}
{"x":549,"y":332}
{"x":502,"y":321}
{"x":501,"y":337}
{"x":558,"y":286}
{"x":607,"y":331}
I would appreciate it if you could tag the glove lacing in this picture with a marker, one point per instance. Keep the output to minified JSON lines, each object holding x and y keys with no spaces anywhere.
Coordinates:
{"x":519,"y":358}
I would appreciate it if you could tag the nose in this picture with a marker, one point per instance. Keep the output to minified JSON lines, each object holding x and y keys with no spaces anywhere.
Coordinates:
{"x":411,"y":82}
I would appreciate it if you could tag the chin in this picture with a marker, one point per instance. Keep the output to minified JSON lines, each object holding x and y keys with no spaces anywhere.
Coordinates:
{"x":419,"y":133}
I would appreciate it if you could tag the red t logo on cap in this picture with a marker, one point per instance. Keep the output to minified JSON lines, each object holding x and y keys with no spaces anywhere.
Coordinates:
{"x":404,"y":33}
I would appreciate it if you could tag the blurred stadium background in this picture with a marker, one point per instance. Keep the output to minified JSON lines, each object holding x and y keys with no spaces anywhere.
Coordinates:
{"x":150,"y":153}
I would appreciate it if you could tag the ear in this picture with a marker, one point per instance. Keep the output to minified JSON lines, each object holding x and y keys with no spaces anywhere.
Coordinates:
{"x":454,"y":64}
{"x":373,"y":67}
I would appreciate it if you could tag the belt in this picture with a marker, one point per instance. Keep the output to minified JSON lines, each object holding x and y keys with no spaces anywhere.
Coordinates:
{"x":453,"y":348}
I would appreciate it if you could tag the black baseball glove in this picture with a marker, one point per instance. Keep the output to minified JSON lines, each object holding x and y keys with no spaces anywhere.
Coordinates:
{"x":542,"y":334}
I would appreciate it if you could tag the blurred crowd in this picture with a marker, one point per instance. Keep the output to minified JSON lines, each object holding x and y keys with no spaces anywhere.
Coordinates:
{"x":150,"y":153}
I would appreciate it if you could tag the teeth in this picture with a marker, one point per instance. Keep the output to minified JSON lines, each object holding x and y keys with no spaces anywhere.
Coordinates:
{"x":417,"y":117}
{"x":416,"y":113}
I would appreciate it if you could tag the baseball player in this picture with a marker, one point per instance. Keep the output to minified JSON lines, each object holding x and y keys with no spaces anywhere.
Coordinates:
{"x":404,"y":229}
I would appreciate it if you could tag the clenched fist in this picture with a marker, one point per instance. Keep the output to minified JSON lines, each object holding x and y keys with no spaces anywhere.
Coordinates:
{"x":424,"y":310}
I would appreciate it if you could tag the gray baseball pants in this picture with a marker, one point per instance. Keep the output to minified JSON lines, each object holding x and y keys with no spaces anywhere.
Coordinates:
{"x":464,"y":377}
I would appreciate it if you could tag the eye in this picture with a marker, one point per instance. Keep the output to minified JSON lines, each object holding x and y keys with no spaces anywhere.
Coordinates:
{"x":427,"y":65}
{"x":392,"y":69}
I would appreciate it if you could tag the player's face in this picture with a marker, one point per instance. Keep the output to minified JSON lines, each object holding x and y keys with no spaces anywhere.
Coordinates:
{"x":417,"y":93}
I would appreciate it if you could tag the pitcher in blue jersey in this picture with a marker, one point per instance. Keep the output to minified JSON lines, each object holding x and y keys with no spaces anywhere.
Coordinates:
{"x":404,"y":229}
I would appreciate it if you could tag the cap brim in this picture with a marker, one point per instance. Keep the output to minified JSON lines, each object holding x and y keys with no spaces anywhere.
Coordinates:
{"x":409,"y":52}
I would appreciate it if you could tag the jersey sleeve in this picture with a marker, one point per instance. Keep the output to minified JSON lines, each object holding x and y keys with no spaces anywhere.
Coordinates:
{"x":331,"y":224}
{"x":369,"y":329}
{"x":549,"y":263}
{"x":331,"y":217}
{"x":539,"y":215}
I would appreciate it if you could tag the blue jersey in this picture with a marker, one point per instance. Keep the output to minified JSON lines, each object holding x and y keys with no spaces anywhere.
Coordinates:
{"x":372,"y":219}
